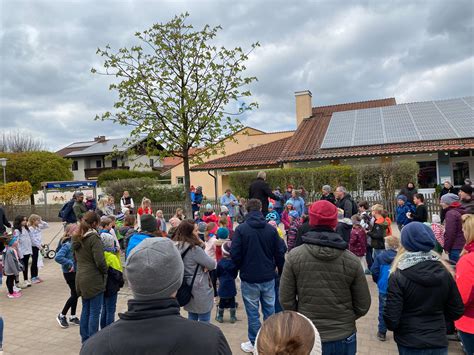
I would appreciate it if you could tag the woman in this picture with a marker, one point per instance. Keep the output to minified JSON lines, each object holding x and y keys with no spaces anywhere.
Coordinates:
{"x":297,"y":202}
{"x":465,"y":282}
{"x":421,"y":295}
{"x":453,"y":236}
{"x":91,"y":273}
{"x":186,"y":237}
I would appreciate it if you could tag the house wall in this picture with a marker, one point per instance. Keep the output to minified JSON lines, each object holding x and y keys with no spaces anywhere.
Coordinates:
{"x":142,"y":162}
{"x":79,"y":173}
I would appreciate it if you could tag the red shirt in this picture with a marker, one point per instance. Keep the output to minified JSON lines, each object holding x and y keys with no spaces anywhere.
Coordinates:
{"x":465,"y":283}
{"x":142,"y":211}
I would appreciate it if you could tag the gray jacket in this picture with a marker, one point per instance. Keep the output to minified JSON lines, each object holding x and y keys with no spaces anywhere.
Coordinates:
{"x":203,"y":295}
{"x":11,"y":265}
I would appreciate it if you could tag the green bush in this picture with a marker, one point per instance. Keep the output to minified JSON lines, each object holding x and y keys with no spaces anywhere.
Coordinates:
{"x":312,"y":179}
{"x":144,"y":187}
{"x":112,"y":175}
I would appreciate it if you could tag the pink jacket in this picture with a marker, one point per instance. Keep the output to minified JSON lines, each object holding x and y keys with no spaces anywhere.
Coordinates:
{"x":285,"y":219}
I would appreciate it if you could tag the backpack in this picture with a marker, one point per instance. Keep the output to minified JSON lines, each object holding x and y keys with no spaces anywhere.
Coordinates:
{"x":383,"y":278}
{"x":184,"y":293}
{"x":61,"y":211}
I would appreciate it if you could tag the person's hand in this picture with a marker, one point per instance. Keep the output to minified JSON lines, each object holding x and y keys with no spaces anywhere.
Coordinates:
{"x":71,"y":269}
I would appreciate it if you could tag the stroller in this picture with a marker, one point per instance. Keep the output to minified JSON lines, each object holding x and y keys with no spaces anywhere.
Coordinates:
{"x":46,"y":251}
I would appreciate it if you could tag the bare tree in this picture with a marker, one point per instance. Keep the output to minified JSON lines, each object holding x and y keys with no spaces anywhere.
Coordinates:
{"x":19,"y":141}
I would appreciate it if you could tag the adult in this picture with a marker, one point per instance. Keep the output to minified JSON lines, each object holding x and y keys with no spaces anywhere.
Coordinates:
{"x":421,"y":295}
{"x":289,"y":191}
{"x":230,"y":201}
{"x":257,"y":252}
{"x":260,"y":190}
{"x":345,"y":202}
{"x":196,"y":262}
{"x":325,"y":282}
{"x":327,"y":195}
{"x":297,"y":202}
{"x":453,"y":235}
{"x":149,"y":229}
{"x":79,"y":207}
{"x":196,"y":199}
{"x":3,"y":222}
{"x":465,"y":194}
{"x":409,"y":191}
{"x":91,"y":273}
{"x":126,"y":202}
{"x":67,"y":211}
{"x":448,"y":188}
{"x":155,"y":273}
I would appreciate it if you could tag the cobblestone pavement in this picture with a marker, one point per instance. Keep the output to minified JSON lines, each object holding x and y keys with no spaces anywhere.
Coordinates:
{"x":31,"y":327}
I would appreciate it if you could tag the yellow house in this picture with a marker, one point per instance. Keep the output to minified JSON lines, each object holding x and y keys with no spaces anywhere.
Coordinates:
{"x":246,"y":138}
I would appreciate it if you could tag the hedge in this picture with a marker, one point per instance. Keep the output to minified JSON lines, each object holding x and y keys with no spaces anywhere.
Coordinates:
{"x":15,"y":192}
{"x":119,"y":174}
{"x":144,"y":187}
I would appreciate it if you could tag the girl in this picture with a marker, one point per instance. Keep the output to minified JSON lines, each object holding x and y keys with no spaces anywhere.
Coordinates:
{"x":285,"y":219}
{"x":145,"y":208}
{"x":91,"y":273}
{"x":128,"y":229}
{"x":65,"y":257}
{"x":438,"y":230}
{"x":358,"y":241}
{"x":210,"y":248}
{"x":160,"y":217}
{"x":21,"y":231}
{"x":226,"y":272}
{"x":196,"y":262}
{"x":179,"y":214}
{"x":12,"y":266}
{"x":226,"y":220}
{"x":209,"y":215}
{"x":36,"y":225}
{"x":295,"y":223}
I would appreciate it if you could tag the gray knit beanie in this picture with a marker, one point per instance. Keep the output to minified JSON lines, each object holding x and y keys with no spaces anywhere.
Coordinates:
{"x":448,"y":199}
{"x":148,"y":223}
{"x":154,"y":269}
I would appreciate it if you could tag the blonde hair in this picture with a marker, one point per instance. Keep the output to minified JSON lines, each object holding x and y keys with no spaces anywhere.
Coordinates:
{"x":468,"y":229}
{"x":33,"y":218}
{"x":401,"y":253}
{"x":223,"y":221}
{"x":377,"y":208}
{"x":102,"y":203}
{"x":146,"y":200}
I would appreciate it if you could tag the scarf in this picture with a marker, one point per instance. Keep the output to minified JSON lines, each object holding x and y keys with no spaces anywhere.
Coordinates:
{"x":410,"y":259}
{"x":469,"y":247}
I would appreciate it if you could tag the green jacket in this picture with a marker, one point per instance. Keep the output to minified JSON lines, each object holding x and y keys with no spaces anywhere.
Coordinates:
{"x":91,"y":273}
{"x":324,"y":281}
{"x":79,"y":209}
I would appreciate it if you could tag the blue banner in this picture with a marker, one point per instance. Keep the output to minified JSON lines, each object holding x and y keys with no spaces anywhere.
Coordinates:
{"x":70,"y":184}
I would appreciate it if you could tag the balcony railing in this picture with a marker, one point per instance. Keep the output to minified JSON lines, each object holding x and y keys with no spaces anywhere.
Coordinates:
{"x":93,"y":173}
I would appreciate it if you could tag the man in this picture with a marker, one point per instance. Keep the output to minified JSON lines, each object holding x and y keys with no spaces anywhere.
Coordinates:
{"x":325,"y":282}
{"x":3,"y":222}
{"x":79,"y":206}
{"x":448,"y":188}
{"x":260,"y":190}
{"x":257,"y":252}
{"x":126,"y":202}
{"x":148,"y":229}
{"x":327,"y":194}
{"x":196,"y":199}
{"x":465,"y":194}
{"x":153,"y":323}
{"x":228,"y":200}
{"x":67,"y":213}
{"x":345,"y":202}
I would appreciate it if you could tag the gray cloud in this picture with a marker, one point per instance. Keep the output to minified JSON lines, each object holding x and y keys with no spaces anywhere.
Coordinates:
{"x":342,"y":51}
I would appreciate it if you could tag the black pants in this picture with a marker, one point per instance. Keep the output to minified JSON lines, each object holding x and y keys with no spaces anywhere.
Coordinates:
{"x":368,"y":256}
{"x":34,"y":262}
{"x":71,"y":303}
{"x":213,"y":275}
{"x":10,"y":283}
{"x":227,"y":303}
{"x":25,"y":260}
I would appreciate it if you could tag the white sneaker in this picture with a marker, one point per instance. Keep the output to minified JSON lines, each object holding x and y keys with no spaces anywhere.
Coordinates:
{"x":247,"y":347}
{"x":28,"y":283}
{"x":16,"y":289}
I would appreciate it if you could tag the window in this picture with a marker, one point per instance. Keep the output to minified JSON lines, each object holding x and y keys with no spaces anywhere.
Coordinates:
{"x":98,"y":163}
{"x":75,"y":165}
{"x":152,"y":163}
{"x":427,"y":176}
{"x":114,"y":163}
{"x":180,"y":180}
{"x":460,"y":172}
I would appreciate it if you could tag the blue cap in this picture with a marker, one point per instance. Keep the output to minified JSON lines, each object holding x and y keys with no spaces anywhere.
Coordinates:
{"x":416,"y":236}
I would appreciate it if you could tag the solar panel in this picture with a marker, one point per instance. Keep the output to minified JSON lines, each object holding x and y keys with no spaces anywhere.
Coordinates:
{"x":431,"y":120}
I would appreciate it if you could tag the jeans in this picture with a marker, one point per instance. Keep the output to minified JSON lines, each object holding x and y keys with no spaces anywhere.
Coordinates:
{"x":346,"y":346}
{"x":402,"y":350}
{"x":253,"y":294}
{"x":1,"y":332}
{"x":90,"y":316}
{"x":107,"y":315}
{"x":200,"y":317}
{"x":454,"y":255}
{"x":466,"y":338}
{"x":278,"y":307}
{"x":71,"y":303}
{"x":382,"y":326}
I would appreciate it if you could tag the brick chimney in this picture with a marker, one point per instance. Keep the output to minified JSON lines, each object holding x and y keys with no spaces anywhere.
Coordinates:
{"x":99,"y":139}
{"x":304,"y":107}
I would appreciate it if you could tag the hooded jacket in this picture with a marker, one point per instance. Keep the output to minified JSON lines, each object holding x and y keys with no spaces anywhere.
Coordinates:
{"x":419,"y":299}
{"x":358,"y":241}
{"x":465,"y":283}
{"x":468,"y":205}
{"x":156,"y":327}
{"x":453,"y":234}
{"x":325,"y":282}
{"x":256,"y":249}
{"x":344,"y":228}
{"x":378,"y":233}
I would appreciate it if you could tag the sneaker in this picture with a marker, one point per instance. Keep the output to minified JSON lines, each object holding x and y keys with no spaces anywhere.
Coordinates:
{"x":36,"y":280}
{"x":247,"y":347}
{"x":27,"y":283}
{"x":62,"y":321}
{"x":21,"y":285}
{"x":16,"y":289}
{"x":381,"y":336}
{"x":14,"y":295}
{"x":74,"y":320}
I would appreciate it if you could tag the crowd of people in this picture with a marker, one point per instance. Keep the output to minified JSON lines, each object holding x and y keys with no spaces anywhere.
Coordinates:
{"x":308,"y":277}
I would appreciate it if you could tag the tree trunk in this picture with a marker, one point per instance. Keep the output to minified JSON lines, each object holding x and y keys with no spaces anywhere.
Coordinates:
{"x":32,"y":199}
{"x":187,"y":186}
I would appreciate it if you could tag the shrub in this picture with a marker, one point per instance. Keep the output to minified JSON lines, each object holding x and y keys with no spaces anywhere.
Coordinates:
{"x":15,"y":192}
{"x":144,"y":187}
{"x":112,"y":175}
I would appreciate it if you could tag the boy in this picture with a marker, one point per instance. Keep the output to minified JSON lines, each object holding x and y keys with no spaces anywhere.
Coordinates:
{"x":366,"y":223}
{"x":272,"y":215}
{"x":380,"y":273}
{"x":403,"y":209}
{"x":226,"y":273}
{"x":379,"y":230}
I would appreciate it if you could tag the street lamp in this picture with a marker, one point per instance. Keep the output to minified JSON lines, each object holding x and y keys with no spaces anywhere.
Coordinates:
{"x":3,"y":163}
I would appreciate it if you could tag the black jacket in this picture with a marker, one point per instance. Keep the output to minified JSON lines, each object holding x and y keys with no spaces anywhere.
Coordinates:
{"x":156,"y":327}
{"x":3,"y":221}
{"x":344,"y":230}
{"x":302,"y":230}
{"x":330,"y":198}
{"x":114,"y":282}
{"x":421,"y":214}
{"x":419,"y":299}
{"x":346,"y":204}
{"x":451,"y":190}
{"x":409,"y":193}
{"x":260,"y":190}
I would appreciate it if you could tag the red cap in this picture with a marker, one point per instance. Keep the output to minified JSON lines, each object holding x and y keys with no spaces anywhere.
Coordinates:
{"x":289,"y":186}
{"x":323,"y":213}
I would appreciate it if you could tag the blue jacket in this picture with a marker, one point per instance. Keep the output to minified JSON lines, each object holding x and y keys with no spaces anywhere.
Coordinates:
{"x":226,"y":273}
{"x":402,"y":213}
{"x":134,"y":240}
{"x":256,"y":249}
{"x":298,"y":205}
{"x":381,"y":269}
{"x":196,"y":200}
{"x":65,"y":257}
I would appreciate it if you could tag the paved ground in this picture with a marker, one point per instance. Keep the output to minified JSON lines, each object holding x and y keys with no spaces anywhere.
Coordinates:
{"x":31,"y":327}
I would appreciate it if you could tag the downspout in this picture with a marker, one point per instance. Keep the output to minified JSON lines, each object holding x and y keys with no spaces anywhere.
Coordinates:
{"x":215,"y":182}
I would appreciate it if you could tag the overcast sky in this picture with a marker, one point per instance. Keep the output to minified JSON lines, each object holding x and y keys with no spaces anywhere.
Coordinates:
{"x":343,"y":51}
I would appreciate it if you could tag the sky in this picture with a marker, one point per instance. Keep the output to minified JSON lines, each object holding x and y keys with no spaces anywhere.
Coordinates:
{"x":340,"y":50}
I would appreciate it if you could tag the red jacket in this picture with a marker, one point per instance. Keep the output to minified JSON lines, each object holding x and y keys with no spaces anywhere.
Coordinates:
{"x":453,"y":235}
{"x":465,"y":283}
{"x":208,"y":218}
{"x":358,"y":241}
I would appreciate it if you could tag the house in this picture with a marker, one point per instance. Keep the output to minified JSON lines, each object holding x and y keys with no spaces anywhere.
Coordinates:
{"x":438,"y":135}
{"x":91,"y":158}
{"x":246,"y":138}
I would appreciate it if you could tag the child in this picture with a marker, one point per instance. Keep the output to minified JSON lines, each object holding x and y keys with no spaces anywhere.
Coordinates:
{"x":242,"y":212}
{"x":210,"y":249}
{"x":403,"y":208}
{"x":179,"y":214}
{"x":22,"y":232}
{"x":127,"y":230}
{"x":438,"y":230}
{"x":380,"y":272}
{"x":209,"y":215}
{"x":222,"y":235}
{"x":387,"y":219}
{"x":285,"y":219}
{"x":65,"y":257}
{"x":202,"y":230}
{"x":272,"y":215}
{"x":12,"y":266}
{"x":90,"y":203}
{"x":366,"y":223}
{"x":378,"y":231}
{"x":36,"y":225}
{"x":174,"y":222}
{"x":226,"y":272}
{"x":112,"y":230}
{"x":197,"y":217}
{"x":226,"y":221}
{"x":145,"y":208}
{"x":358,"y":241}
{"x":292,"y":232}
{"x":344,"y":226}
{"x":160,"y":217}
{"x":421,"y":213}
{"x":280,"y":232}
